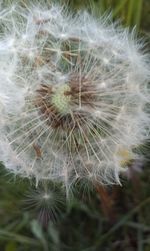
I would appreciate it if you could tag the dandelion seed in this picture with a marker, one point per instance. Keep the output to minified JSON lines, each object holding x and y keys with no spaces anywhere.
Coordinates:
{"x":47,"y":201}
{"x":73,"y":91}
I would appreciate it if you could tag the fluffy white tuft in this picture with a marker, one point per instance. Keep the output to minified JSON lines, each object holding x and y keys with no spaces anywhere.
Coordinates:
{"x":73,"y":95}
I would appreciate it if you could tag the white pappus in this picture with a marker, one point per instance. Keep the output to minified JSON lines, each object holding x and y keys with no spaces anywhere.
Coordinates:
{"x":73,"y":95}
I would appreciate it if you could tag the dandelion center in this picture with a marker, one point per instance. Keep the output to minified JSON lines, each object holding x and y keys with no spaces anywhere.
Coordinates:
{"x":53,"y":103}
{"x":61,"y":100}
{"x":61,"y":105}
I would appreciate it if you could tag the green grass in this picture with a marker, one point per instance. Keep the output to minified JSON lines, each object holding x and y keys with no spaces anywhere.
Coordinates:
{"x":82,"y":224}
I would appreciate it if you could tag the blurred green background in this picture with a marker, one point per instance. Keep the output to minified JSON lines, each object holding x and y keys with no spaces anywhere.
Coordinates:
{"x":93,"y":219}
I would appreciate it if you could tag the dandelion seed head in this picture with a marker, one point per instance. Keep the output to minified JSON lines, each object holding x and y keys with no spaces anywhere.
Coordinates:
{"x":73,"y":92}
{"x":46,"y":200}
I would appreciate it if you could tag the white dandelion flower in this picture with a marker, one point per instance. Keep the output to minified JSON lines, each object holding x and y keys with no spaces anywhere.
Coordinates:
{"x":73,"y":91}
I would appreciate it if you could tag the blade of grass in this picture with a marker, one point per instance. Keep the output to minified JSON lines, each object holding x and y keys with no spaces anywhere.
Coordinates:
{"x":17,"y":237}
{"x":140,"y":239}
{"x":119,"y":7}
{"x":103,"y":5}
{"x":138,"y":12}
{"x":119,"y":224}
{"x":138,"y":226}
{"x":131,"y":10}
{"x":125,"y":219}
